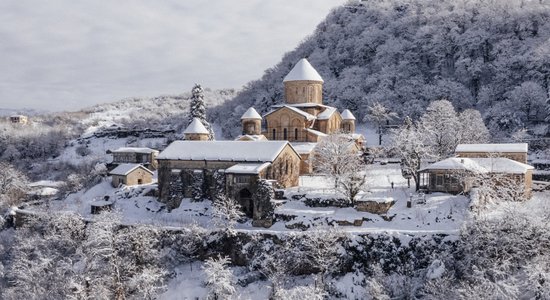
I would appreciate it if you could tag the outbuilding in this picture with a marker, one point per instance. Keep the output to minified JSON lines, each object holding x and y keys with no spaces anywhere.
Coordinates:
{"x":131,"y":174}
{"x":459,"y":174}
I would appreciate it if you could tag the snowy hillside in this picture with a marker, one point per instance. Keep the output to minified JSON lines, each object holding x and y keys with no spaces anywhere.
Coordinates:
{"x":6,"y":112}
{"x":159,"y":111}
{"x":488,"y":55}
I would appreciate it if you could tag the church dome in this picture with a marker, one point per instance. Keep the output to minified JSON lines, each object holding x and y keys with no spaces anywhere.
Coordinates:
{"x":347,"y":115}
{"x":251,"y":114}
{"x":303,"y":70}
{"x":196,"y":127}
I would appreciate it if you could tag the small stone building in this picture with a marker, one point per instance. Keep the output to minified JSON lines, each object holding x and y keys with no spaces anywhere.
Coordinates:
{"x":240,"y":184}
{"x":182,"y":163}
{"x":517,"y":152}
{"x":135,"y":155}
{"x":456,"y":175}
{"x":19,"y":119}
{"x":131,"y":174}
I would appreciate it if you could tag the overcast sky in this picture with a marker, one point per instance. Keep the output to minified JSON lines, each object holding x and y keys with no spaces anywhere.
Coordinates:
{"x":69,"y":54}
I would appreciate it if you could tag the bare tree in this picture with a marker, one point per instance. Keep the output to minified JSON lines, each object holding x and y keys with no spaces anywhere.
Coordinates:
{"x":219,"y":278}
{"x":354,"y":180}
{"x":322,"y":249}
{"x":122,"y":260}
{"x":335,"y":155}
{"x":226,"y":212}
{"x":409,"y":144}
{"x":378,"y":113}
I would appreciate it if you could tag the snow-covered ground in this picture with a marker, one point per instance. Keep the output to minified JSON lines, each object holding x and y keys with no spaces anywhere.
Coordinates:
{"x":442,"y":213}
{"x":98,"y":149}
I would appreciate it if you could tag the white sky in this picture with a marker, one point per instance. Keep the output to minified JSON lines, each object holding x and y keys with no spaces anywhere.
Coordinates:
{"x":69,"y":54}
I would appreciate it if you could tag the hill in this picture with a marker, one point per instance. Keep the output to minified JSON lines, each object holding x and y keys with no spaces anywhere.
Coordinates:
{"x":490,"y":55}
{"x":53,"y":143}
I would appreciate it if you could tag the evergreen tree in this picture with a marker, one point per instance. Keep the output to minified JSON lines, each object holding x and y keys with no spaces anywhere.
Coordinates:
{"x":198,"y":109}
{"x":197,"y":186}
{"x":262,"y":200}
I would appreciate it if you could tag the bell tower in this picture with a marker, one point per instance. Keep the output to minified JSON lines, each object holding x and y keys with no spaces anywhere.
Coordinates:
{"x":348,"y":121}
{"x":251,"y":122}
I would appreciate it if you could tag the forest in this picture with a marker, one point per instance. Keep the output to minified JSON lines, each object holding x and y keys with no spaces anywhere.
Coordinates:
{"x":489,"y":55}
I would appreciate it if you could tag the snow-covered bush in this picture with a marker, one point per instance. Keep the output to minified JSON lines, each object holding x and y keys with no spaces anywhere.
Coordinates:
{"x":226,"y":212}
{"x":13,"y":186}
{"x":219,"y":278}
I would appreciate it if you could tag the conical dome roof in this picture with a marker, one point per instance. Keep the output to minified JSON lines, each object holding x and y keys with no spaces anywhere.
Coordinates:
{"x":347,"y":115}
{"x":303,"y":70}
{"x":251,"y":113}
{"x":196,"y":127}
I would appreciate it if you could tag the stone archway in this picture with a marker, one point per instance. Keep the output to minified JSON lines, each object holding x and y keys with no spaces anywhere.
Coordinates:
{"x":245,"y":200}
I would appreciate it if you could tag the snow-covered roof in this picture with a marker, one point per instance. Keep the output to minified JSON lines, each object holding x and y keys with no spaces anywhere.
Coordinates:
{"x":196,"y":126}
{"x":247,"y":168}
{"x":299,"y":105}
{"x":304,"y":148}
{"x":251,"y":113}
{"x":294,"y":109}
{"x":125,"y":169}
{"x":327,"y":113}
{"x":245,"y":151}
{"x":480,"y":165}
{"x":316,"y":132}
{"x":303,"y":70}
{"x":492,"y":148}
{"x":135,"y":150}
{"x":347,"y":115}
{"x":251,"y":137}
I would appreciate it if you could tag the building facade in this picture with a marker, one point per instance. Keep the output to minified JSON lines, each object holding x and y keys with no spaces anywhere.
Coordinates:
{"x":19,"y":119}
{"x":130,"y":174}
{"x":184,"y":163}
{"x":135,"y":155}
{"x":460,"y":174}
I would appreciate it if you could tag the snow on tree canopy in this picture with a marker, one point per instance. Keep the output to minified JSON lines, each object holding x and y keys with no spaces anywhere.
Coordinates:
{"x":196,"y":127}
{"x":492,"y":148}
{"x":251,"y":113}
{"x":347,"y":115}
{"x":260,"y":151}
{"x":247,"y":168}
{"x":125,"y":169}
{"x":303,"y":70}
{"x":480,"y":165}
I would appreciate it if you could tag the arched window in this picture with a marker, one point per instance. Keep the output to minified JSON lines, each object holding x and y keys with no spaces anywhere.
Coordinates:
{"x":274,"y":134}
{"x":296,"y":133}
{"x":285,"y":134}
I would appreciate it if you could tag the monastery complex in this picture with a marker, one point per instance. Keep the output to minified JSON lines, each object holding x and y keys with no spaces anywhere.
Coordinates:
{"x":277,"y":147}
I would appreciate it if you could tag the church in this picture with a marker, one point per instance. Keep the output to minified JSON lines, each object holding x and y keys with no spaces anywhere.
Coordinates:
{"x":279,"y":153}
{"x":303,"y":120}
